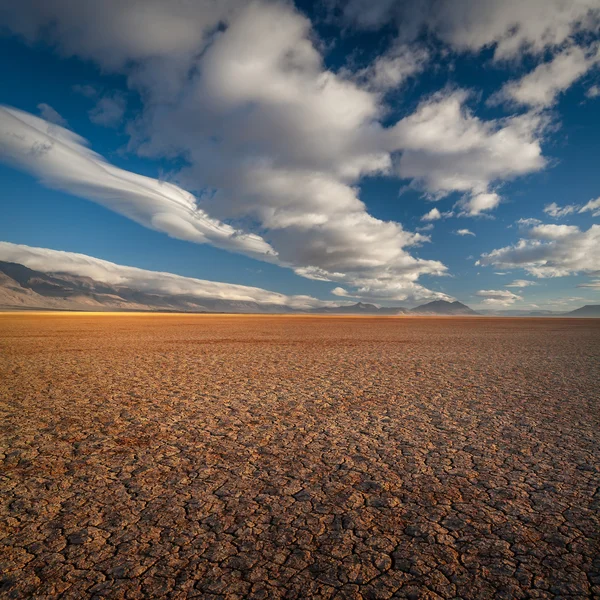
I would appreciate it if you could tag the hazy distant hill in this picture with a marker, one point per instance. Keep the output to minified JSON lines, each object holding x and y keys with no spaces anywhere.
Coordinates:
{"x":442,"y":307}
{"x":589,"y":310}
{"x":522,"y":313}
{"x":362,"y":308}
{"x":24,"y":288}
{"x":438,"y":307}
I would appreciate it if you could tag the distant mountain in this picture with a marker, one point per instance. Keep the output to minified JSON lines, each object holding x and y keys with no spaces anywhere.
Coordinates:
{"x":589,"y":310}
{"x":22,"y":288}
{"x":438,"y":307}
{"x":362,"y":308}
{"x":443,"y":307}
{"x":27,"y":289}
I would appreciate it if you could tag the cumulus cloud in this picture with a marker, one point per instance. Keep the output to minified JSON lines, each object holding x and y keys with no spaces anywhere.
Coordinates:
{"x":277,"y":141}
{"x":498,"y":298}
{"x":463,"y":232}
{"x":446,"y":148}
{"x":593,"y":91}
{"x":433,"y":215}
{"x":51,"y":115}
{"x":551,"y":251}
{"x":541,"y":87}
{"x":510,"y":26}
{"x":116,"y":32}
{"x":62,"y":160}
{"x":272,"y":137}
{"x":479,"y":203}
{"x":109,"y":110}
{"x":521,"y":283}
{"x":56,"y":261}
{"x":354,"y":248}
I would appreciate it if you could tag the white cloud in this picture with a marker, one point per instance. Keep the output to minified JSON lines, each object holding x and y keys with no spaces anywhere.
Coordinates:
{"x":61,"y":160}
{"x":433,"y":215}
{"x":387,"y":291}
{"x":498,"y":297}
{"x":56,"y":261}
{"x":592,"y":206}
{"x":510,"y":26}
{"x":553,"y":232}
{"x":521,"y":283}
{"x":275,"y":139}
{"x":479,"y":203}
{"x":556,"y":211}
{"x":391,"y":69}
{"x":51,"y":115}
{"x":551,"y":251}
{"x":446,"y":148}
{"x":464,"y":232}
{"x":115,"y":32}
{"x":272,"y":137}
{"x":109,"y":110}
{"x":347,"y":245}
{"x":593,"y":91}
{"x":523,"y":223}
{"x":541,"y":87}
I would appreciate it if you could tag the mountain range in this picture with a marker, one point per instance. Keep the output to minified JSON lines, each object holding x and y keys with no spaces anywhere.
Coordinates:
{"x":22,"y":288}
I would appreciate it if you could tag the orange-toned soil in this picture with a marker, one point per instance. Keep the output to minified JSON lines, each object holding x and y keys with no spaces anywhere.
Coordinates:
{"x":193,"y":456}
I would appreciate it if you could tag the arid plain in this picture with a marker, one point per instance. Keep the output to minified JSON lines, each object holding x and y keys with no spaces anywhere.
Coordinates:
{"x":193,"y":456}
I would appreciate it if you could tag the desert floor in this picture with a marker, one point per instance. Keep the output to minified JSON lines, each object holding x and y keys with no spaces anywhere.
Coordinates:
{"x":163,"y":456}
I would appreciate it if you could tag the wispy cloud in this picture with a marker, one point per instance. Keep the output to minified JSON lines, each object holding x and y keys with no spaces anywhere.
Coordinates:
{"x":86,"y":89}
{"x":498,"y":298}
{"x":556,"y":211}
{"x":521,"y":283}
{"x":463,"y":232}
{"x":594,"y":284}
{"x":51,"y":115}
{"x":62,"y":160}
{"x":109,"y":110}
{"x":592,"y":206}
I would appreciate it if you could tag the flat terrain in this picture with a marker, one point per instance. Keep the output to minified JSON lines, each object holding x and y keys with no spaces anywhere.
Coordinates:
{"x":299,"y":457}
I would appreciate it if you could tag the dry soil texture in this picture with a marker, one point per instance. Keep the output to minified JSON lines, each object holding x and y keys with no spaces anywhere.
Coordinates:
{"x":290,"y":457}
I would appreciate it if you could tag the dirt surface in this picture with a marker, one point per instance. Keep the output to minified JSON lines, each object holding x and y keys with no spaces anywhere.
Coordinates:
{"x":299,"y":457}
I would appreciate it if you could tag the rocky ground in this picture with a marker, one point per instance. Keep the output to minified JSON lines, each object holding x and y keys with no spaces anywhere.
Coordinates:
{"x":296,"y":457}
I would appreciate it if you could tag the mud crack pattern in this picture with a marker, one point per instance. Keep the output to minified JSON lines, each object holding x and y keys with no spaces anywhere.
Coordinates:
{"x":296,"y":457}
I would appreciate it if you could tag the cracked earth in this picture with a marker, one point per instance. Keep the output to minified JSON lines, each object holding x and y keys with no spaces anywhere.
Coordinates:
{"x":296,"y":457}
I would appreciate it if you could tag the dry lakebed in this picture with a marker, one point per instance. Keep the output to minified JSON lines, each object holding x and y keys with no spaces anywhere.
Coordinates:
{"x":215,"y":456}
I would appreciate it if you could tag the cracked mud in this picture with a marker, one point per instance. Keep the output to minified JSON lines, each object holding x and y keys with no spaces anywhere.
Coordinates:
{"x":296,"y":457}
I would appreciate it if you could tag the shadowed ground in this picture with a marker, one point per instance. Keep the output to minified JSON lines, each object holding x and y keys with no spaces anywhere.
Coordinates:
{"x":299,"y":457}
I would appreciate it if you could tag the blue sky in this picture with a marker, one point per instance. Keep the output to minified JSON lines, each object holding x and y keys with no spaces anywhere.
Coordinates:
{"x":298,"y":148}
